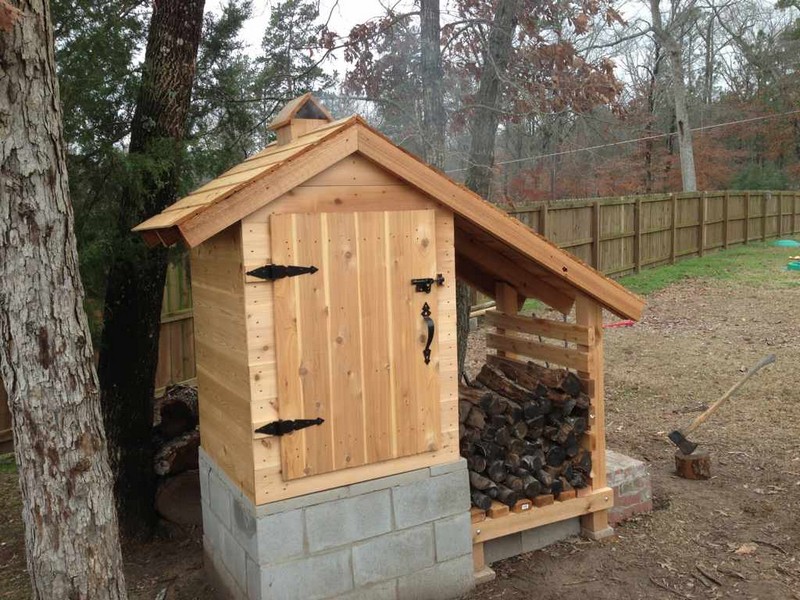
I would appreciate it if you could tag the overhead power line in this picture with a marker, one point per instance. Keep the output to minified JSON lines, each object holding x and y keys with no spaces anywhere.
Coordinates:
{"x":631,"y":141}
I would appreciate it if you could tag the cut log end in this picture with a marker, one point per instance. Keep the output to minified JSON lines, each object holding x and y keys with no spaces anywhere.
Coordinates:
{"x":696,"y":465}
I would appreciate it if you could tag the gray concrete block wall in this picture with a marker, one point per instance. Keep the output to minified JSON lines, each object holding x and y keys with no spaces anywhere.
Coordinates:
{"x":405,"y":536}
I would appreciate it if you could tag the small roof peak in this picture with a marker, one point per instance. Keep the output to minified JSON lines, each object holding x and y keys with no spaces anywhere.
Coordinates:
{"x":302,"y":107}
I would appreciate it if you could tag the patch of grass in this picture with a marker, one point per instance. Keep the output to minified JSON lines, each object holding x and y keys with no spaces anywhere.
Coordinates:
{"x":7,"y":463}
{"x":759,"y":265}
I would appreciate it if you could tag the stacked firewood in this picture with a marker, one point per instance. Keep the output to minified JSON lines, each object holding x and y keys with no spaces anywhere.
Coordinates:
{"x":520,"y":429}
{"x":176,"y":440}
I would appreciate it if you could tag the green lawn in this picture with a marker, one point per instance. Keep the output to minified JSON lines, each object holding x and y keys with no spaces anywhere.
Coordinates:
{"x":757,"y":264}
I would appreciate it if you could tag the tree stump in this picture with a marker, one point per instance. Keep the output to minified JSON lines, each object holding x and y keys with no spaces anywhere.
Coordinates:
{"x":696,"y":465}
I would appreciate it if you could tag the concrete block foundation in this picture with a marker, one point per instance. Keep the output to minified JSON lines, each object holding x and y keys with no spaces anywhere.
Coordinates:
{"x":405,"y":536}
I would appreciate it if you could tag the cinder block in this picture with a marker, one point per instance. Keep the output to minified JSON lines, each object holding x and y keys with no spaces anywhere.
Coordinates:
{"x":536,"y":539}
{"x":219,"y":498}
{"x":235,"y":560}
{"x":453,"y":537}
{"x":392,"y":555}
{"x":380,"y":591}
{"x":314,"y":578}
{"x":443,"y":581}
{"x":273,"y":508}
{"x":279,"y":537}
{"x":253,"y":580}
{"x":213,"y":530}
{"x":459,"y":465}
{"x":384,"y":483}
{"x":349,"y":520}
{"x":243,"y":527}
{"x":501,"y":548}
{"x":431,"y":499}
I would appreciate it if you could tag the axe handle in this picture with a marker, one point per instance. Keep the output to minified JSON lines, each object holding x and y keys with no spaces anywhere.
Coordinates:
{"x":767,"y":360}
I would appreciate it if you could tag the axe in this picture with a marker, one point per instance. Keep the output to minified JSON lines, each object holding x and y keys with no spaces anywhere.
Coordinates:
{"x":678,"y":437}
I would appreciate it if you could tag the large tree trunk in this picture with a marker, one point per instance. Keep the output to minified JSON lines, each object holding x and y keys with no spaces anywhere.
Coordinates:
{"x":483,"y":132}
{"x":674,"y":51}
{"x":434,"y":125}
{"x":46,"y":363}
{"x":131,"y":320}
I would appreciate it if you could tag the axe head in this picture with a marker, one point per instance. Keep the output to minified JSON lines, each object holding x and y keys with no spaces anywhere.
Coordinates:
{"x":684,"y":445}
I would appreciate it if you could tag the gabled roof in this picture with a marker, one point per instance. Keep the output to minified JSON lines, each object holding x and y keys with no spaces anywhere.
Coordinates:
{"x":490,"y":244}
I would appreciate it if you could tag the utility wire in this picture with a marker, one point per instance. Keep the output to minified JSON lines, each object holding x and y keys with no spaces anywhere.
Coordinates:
{"x":641,"y":139}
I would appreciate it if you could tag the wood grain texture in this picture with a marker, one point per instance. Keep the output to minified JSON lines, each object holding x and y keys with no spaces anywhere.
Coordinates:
{"x":220,"y":335}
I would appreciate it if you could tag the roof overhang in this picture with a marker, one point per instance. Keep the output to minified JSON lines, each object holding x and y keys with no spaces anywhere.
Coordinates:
{"x":490,"y":245}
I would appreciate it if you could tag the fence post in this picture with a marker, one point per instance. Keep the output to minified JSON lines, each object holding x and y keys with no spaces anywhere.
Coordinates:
{"x":596,"y":241}
{"x":703,"y":218}
{"x":672,"y":252}
{"x":764,"y":198}
{"x":746,"y":217}
{"x":726,"y":199}
{"x":794,"y":213}
{"x":543,"y":219}
{"x":637,"y":235}
{"x":780,"y":214}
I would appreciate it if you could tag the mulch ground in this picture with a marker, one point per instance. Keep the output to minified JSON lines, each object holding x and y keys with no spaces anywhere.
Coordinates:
{"x":734,"y":536}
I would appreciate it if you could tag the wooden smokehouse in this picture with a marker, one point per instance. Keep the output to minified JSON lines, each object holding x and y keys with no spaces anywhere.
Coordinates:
{"x":323,"y":278}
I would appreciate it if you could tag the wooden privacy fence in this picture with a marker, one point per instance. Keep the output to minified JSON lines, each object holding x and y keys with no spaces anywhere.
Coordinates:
{"x":617,"y":236}
{"x":621,"y":235}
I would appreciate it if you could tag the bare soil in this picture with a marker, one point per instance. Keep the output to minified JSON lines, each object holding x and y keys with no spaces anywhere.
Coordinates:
{"x":740,"y":528}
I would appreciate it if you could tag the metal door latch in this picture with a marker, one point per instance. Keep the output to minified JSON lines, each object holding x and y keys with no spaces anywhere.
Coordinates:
{"x":424,"y":284}
{"x":280,"y":427}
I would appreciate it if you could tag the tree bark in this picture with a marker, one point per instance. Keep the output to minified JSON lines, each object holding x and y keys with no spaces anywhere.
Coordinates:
{"x":483,"y":132}
{"x":674,"y":52}
{"x":71,"y":537}
{"x":131,"y":319}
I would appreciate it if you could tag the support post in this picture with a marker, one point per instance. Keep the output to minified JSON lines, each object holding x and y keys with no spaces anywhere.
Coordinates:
{"x":780,"y":214}
{"x":673,"y":247}
{"x":596,"y":240}
{"x":508,"y":301}
{"x":543,"y":219}
{"x":746,"y":217}
{"x":637,"y":235}
{"x":703,"y":219}
{"x":794,"y":213}
{"x":764,"y":197}
{"x":726,"y":201}
{"x":590,"y":314}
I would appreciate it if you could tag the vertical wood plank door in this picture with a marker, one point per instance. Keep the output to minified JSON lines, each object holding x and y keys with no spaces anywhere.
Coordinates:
{"x":350,"y":338}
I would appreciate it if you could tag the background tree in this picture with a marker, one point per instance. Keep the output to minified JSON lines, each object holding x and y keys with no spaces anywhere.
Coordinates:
{"x":132,"y":308}
{"x":46,"y":357}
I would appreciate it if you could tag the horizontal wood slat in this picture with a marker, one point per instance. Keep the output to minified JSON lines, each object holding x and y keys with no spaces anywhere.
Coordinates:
{"x":511,"y":523}
{"x":568,"y":332}
{"x":573,"y":359}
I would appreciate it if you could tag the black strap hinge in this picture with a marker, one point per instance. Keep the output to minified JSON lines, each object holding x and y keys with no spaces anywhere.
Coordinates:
{"x":280,"y":427}
{"x":273,"y":272}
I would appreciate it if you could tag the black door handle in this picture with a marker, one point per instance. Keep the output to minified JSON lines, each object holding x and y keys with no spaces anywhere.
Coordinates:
{"x":426,"y":314}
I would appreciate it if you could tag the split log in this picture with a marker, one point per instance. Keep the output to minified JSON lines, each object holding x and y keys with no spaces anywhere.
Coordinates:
{"x":496,"y":471}
{"x":481,"y":500}
{"x":476,"y":418}
{"x":464,"y":406}
{"x":506,"y":495}
{"x":513,"y":461}
{"x":531,"y":376}
{"x":177,"y":412}
{"x":514,"y":483}
{"x":555,"y":456}
{"x":476,"y":463}
{"x":479,"y":482}
{"x":178,"y":499}
{"x":496,"y":381}
{"x":178,"y":455}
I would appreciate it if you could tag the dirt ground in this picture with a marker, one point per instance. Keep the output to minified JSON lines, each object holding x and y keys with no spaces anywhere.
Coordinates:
{"x":741,"y":528}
